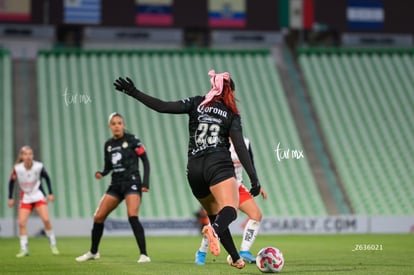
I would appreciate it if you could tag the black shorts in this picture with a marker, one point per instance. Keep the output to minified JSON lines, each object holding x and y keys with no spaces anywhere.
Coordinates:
{"x":208,"y":170}
{"x":122,"y":189}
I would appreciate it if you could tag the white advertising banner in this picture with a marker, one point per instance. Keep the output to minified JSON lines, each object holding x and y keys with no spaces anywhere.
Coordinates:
{"x":309,"y":225}
{"x":394,"y":224}
{"x":187,"y":227}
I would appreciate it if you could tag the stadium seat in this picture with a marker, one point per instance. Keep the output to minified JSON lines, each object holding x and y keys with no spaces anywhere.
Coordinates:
{"x":6,"y":129}
{"x":364,"y":101}
{"x":73,"y":133}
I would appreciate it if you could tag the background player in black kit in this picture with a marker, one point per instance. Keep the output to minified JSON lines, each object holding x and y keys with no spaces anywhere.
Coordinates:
{"x":121,"y":157}
{"x":213,"y":118}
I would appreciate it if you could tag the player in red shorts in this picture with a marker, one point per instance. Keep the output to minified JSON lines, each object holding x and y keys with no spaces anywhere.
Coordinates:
{"x":247,"y":205}
{"x":29,"y":174}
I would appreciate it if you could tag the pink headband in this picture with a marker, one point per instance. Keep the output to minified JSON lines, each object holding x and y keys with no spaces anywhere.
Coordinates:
{"x":217,"y":82}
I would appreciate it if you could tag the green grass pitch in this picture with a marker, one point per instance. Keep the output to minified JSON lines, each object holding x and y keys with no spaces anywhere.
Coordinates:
{"x":311,"y":254}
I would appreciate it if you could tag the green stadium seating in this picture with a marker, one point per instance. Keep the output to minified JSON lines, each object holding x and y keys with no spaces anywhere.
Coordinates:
{"x":365,"y":103}
{"x":6,"y":130}
{"x":73,"y":133}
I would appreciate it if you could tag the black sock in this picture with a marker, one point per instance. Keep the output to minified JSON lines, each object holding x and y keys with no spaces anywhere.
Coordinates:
{"x":224,"y":218}
{"x":97,"y":231}
{"x":139,"y":233}
{"x":212,"y":218}
{"x":227,"y":241}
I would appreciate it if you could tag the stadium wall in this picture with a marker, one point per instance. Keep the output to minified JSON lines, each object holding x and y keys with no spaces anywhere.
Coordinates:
{"x":344,"y":224}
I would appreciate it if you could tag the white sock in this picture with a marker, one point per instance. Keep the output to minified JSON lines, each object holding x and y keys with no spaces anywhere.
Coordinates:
{"x":249,"y":234}
{"x":51,"y":235}
{"x":24,"y":243}
{"x":204,"y":245}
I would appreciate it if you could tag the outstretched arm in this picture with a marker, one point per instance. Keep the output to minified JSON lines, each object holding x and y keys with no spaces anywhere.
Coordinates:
{"x":126,"y":86}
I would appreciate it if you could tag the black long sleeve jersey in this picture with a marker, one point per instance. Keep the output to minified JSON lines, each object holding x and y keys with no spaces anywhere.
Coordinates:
{"x":121,"y":157}
{"x":209,"y":126}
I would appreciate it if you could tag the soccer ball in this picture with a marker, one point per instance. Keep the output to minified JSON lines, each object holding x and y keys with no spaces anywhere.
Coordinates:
{"x":270,"y":260}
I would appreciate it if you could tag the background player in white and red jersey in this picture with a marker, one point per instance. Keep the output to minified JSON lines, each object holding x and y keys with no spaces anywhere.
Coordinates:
{"x":247,"y":205}
{"x":29,"y":174}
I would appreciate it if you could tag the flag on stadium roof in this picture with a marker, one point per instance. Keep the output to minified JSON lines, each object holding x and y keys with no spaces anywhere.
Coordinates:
{"x":15,"y":11}
{"x":82,"y":12}
{"x":227,"y":13}
{"x":365,"y":14}
{"x":153,"y":12}
{"x":296,"y":14}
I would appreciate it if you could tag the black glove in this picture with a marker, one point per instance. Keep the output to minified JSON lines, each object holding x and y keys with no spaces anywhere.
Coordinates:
{"x":125,"y":86}
{"x":255,"y":190}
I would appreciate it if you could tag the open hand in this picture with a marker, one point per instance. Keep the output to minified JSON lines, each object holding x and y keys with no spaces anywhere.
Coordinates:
{"x":125,"y":85}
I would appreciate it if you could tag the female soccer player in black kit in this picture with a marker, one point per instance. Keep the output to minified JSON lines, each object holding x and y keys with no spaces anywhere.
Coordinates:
{"x":213,"y":118}
{"x":121,"y":157}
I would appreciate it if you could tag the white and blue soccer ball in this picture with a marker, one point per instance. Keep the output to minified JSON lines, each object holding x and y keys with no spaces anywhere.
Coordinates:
{"x":270,"y":260}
